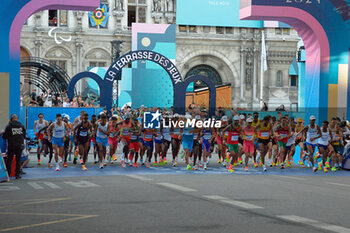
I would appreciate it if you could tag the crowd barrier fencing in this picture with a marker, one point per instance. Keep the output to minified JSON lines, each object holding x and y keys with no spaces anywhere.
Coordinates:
{"x":30,"y":114}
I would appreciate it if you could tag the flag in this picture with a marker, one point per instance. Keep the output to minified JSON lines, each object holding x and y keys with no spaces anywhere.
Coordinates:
{"x":263,"y":51}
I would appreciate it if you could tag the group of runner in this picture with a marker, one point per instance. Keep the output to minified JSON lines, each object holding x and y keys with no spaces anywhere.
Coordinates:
{"x":267,"y":142}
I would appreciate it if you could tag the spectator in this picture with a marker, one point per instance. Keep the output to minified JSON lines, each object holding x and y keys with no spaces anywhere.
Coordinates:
{"x":281,"y":108}
{"x":74,"y":103}
{"x":48,"y":99}
{"x":33,"y":101}
{"x":14,"y":134}
{"x":66,"y":103}
{"x":40,"y":99}
{"x":264,"y":107}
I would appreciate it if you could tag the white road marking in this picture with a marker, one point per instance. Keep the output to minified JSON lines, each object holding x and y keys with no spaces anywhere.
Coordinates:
{"x":290,"y":177}
{"x":344,"y":185}
{"x":36,"y":185}
{"x":215,"y":197}
{"x":9,"y":188}
{"x":177,"y":187}
{"x":314,"y":223}
{"x":241,"y":204}
{"x":81,"y":184}
{"x":139,"y":177}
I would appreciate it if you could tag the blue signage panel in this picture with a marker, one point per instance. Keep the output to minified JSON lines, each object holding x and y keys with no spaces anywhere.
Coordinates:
{"x":223,"y":13}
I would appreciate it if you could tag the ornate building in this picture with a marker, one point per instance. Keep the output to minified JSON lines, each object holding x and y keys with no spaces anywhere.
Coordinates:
{"x":227,"y":55}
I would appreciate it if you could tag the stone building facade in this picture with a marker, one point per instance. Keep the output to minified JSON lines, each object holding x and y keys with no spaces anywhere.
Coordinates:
{"x":230,"y":55}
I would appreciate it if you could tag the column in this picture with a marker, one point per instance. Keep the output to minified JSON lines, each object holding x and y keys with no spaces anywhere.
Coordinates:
{"x":243,"y":56}
{"x":78,"y":45}
{"x":255,"y":74}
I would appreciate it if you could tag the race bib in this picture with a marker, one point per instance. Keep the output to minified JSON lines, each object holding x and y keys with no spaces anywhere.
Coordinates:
{"x":83,"y":133}
{"x":234,"y":138}
{"x":283,"y":135}
{"x":249,"y":137}
{"x":265,"y":134}
{"x":148,"y":136}
{"x":125,"y":132}
{"x":133,"y":137}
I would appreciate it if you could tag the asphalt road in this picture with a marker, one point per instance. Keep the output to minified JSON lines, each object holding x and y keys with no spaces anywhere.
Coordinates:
{"x":176,"y":203}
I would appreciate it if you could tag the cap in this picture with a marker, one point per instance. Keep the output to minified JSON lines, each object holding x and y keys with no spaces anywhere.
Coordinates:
{"x":242,"y":117}
{"x":300,"y":120}
{"x":224,"y":118}
{"x":236,"y":118}
{"x":188,"y":117}
{"x":312,"y":118}
{"x":66,"y":116}
{"x":249,"y":120}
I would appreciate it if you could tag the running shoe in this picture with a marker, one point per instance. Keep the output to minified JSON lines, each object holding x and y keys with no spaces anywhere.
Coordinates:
{"x":325,"y":170}
{"x":95,"y":161}
{"x":334,"y":169}
{"x":205,"y":166}
{"x":182,"y":154}
{"x":235,"y":164}
{"x":264,"y":168}
{"x":223,"y":164}
{"x":194,"y":168}
{"x":189,"y":168}
{"x":246,"y":168}
{"x":75,"y":161}
{"x":135,"y":165}
{"x":84,"y":167}
{"x":161,"y":162}
{"x":327,"y":165}
{"x":57,"y":167}
{"x":155,"y":163}
{"x":39,"y":162}
{"x":50,"y":165}
{"x":174,"y":164}
{"x":65,"y":164}
{"x":320,"y":166}
{"x":200,"y":163}
{"x":261,"y":162}
{"x":278,"y":162}
{"x":147,"y":165}
{"x":240,"y":160}
{"x":315,"y":169}
{"x":301,"y":162}
{"x":101,"y":166}
{"x":104,"y":164}
{"x":114,"y":158}
{"x":228,"y":158}
{"x":256,"y":164}
{"x":282,"y":166}
{"x":219,"y":161}
{"x":165,"y":161}
{"x":274,"y":164}
{"x":230,"y":168}
{"x":288,"y":163}
{"x":142,"y":163}
{"x":123,"y":164}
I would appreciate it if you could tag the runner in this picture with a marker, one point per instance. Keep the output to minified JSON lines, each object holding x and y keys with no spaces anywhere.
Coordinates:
{"x":290,"y":146}
{"x":187,"y":141}
{"x":82,"y":134}
{"x":312,"y":132}
{"x":38,"y":125}
{"x":220,"y":138}
{"x":125,"y":137}
{"x":59,"y":130}
{"x":175,"y":139}
{"x":158,"y":147}
{"x":148,"y":135}
{"x":76,"y":121}
{"x":197,"y":149}
{"x":248,"y":141}
{"x":299,"y":142}
{"x":92,"y":140}
{"x":337,"y":145}
{"x":234,"y":132}
{"x":102,"y":139}
{"x":134,"y":141}
{"x":68,"y":139}
{"x":282,"y":134}
{"x":255,"y":122}
{"x":166,"y":139}
{"x":47,"y":145}
{"x":207,"y":135}
{"x":263,"y":130}
{"x":324,"y":146}
{"x":113,"y":138}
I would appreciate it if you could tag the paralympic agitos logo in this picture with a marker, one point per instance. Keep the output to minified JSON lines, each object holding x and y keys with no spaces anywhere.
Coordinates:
{"x":153,"y":120}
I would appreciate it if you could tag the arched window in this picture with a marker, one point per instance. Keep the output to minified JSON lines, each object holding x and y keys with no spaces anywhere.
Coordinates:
{"x":279,"y":77}
{"x":206,"y":71}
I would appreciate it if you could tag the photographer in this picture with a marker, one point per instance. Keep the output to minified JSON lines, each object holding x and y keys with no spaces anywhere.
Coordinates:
{"x":14,"y":134}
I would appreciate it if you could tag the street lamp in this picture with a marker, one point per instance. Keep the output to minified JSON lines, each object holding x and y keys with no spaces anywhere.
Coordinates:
{"x":116,"y":46}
